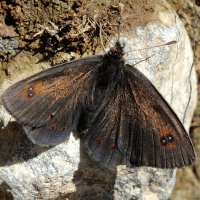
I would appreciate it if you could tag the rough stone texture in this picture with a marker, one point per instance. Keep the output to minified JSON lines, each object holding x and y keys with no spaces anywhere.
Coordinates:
{"x":65,"y":171}
{"x":8,"y":42}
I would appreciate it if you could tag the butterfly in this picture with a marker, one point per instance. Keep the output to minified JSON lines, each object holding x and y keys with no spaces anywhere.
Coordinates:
{"x":122,"y":118}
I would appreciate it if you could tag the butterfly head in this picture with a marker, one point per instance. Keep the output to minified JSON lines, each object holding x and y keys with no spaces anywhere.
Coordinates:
{"x":117,"y":51}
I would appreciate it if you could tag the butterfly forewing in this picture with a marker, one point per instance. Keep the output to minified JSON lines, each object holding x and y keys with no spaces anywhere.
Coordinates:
{"x":162,"y":140}
{"x":49,"y":103}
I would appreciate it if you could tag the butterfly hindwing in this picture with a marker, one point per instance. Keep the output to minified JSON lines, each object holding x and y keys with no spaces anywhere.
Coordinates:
{"x":49,"y":103}
{"x":98,"y":131}
{"x":141,"y":125}
{"x":100,"y":138}
{"x":58,"y":127}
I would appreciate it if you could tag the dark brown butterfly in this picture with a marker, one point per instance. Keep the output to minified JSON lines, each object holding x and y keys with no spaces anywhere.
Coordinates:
{"x":123,"y":118}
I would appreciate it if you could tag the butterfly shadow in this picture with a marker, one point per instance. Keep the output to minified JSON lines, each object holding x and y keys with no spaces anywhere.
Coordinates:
{"x":15,"y":147}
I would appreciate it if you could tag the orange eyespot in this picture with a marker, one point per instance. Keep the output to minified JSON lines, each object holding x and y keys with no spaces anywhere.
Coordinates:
{"x":99,"y":141}
{"x":113,"y":146}
{"x":28,"y":93}
{"x":53,"y":127}
{"x":63,"y":129}
{"x":167,"y":138}
{"x":32,"y":90}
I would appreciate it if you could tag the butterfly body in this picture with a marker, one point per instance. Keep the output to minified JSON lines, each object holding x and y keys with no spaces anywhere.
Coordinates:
{"x":123,"y":118}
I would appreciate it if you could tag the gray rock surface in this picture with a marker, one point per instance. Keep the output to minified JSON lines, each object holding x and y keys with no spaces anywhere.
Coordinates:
{"x":65,"y":171}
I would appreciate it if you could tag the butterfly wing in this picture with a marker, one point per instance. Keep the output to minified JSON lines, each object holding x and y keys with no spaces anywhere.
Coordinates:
{"x":49,"y":103}
{"x":136,"y":127}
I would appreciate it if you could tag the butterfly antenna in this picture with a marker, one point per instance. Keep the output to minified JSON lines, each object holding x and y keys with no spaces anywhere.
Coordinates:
{"x":168,"y":43}
{"x":142,"y":60}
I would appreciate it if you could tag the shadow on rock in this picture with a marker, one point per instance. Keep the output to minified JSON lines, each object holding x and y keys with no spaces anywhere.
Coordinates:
{"x":92,"y":181}
{"x":15,"y":147}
